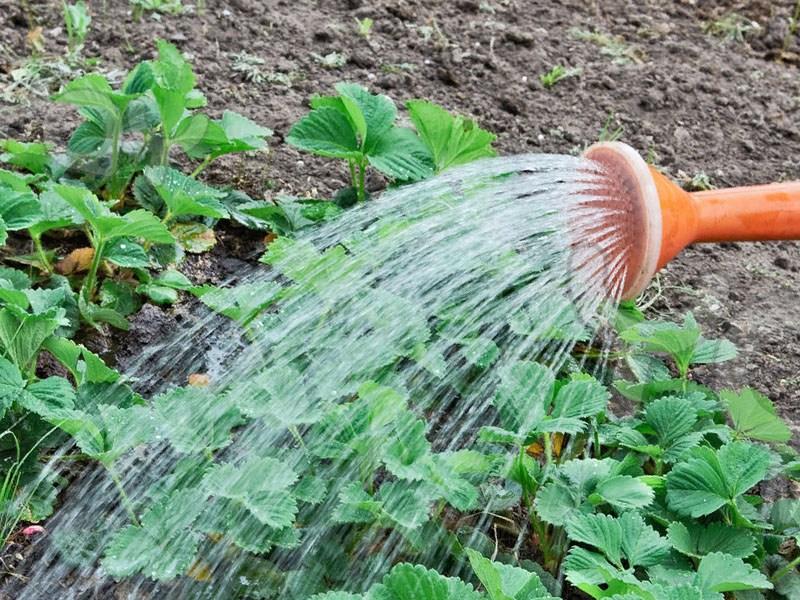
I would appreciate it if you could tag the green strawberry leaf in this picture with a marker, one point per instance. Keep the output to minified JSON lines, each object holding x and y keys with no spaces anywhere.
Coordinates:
{"x":697,"y":540}
{"x":409,"y":582}
{"x":32,"y":156}
{"x":401,"y":155}
{"x":195,"y":419}
{"x":242,"y":303}
{"x":22,"y":333}
{"x":505,"y":582}
{"x":754,"y":416}
{"x":326,"y":132}
{"x":261,"y":485}
{"x":163,"y":546}
{"x":712,"y":479}
{"x":718,"y":572}
{"x":524,"y":395}
{"x":452,"y":140}
{"x":233,"y":133}
{"x":124,"y":252}
{"x":184,"y":195}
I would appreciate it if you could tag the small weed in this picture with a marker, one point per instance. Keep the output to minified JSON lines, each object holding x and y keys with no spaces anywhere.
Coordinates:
{"x":251,"y":69}
{"x":733,"y":27}
{"x":38,"y":76}
{"x":699,"y":182}
{"x":652,"y":155}
{"x":613,"y":46}
{"x":794,"y":27}
{"x":164,"y":7}
{"x":607,"y":134}
{"x":431,"y":31}
{"x":332,"y":60}
{"x":556,"y":74}
{"x":77,"y":21}
{"x":398,"y":67}
{"x":364,"y":27}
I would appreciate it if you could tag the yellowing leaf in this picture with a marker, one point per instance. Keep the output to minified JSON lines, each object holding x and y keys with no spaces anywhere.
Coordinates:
{"x":537,"y":450}
{"x":200,"y":571}
{"x":35,"y":39}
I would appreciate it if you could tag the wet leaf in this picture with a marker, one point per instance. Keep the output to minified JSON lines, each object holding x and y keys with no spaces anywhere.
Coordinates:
{"x":194,"y":237}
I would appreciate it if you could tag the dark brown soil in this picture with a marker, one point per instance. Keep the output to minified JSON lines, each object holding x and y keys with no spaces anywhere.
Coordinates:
{"x":690,"y":101}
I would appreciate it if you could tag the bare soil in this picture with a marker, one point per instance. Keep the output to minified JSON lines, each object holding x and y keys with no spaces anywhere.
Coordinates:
{"x":689,"y":101}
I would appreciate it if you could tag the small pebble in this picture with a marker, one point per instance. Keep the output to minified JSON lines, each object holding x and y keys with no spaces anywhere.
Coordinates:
{"x":782,"y":262}
{"x":32,"y":530}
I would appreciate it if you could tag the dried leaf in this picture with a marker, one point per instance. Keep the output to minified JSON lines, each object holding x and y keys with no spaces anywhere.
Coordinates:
{"x":199,"y":380}
{"x":35,"y":39}
{"x":76,"y":261}
{"x":536,"y":449}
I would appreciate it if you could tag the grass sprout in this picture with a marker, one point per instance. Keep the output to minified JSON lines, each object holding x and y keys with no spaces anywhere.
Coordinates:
{"x":613,"y":46}
{"x":556,"y":74}
{"x":733,"y":27}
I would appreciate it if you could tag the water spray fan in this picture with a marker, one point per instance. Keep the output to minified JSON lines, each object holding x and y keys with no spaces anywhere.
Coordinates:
{"x":660,"y":218}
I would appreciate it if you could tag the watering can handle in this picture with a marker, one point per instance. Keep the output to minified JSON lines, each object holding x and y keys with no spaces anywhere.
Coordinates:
{"x":743,"y":214}
{"x":762,"y":212}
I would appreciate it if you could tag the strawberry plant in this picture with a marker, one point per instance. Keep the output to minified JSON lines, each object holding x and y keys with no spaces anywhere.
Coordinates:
{"x":114,"y":238}
{"x":77,"y":21}
{"x":121,"y":154}
{"x":297,"y":445}
{"x":360,"y":128}
{"x":500,"y":581}
{"x":167,"y":7}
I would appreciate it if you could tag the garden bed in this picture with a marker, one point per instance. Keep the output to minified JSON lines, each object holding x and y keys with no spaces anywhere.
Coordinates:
{"x":692,"y":102}
{"x":701,"y":104}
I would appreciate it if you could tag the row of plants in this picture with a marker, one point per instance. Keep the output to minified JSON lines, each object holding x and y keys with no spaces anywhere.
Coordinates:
{"x":626,"y":506}
{"x":118,"y":185}
{"x":657,"y":504}
{"x":91,"y":233}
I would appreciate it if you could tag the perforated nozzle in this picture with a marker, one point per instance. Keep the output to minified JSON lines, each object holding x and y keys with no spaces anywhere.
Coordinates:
{"x":650,"y":219}
{"x":630,"y":199}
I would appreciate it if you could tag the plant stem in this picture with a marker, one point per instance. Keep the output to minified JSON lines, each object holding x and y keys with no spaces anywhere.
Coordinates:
{"x":362,"y":192}
{"x":37,"y":243}
{"x":598,"y":451}
{"x":91,"y":277}
{"x":297,"y":437}
{"x":785,"y":570}
{"x":167,"y":218}
{"x":165,"y":145}
{"x":117,"y":135}
{"x":126,"y":501}
{"x":206,"y":161}
{"x":794,"y":23}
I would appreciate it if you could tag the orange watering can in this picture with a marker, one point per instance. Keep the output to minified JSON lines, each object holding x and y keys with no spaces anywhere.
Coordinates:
{"x":661,"y":219}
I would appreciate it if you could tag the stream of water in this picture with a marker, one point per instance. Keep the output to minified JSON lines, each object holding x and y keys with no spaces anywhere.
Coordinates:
{"x":434,"y":290}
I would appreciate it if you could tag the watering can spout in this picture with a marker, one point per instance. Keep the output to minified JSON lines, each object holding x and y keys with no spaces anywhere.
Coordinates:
{"x":662,"y":218}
